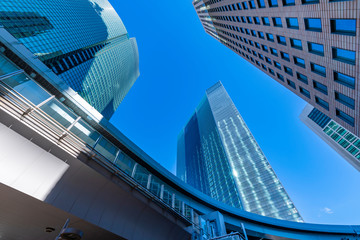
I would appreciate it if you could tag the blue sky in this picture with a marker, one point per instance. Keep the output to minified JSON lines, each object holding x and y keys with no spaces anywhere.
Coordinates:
{"x":179,"y":61}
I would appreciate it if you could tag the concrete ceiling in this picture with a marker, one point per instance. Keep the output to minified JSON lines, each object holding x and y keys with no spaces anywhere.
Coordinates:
{"x":24,"y":217}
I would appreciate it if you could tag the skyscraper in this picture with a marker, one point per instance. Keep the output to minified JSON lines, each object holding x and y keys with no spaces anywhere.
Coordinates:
{"x":84,"y":42}
{"x":308,"y":46}
{"x":218,"y":155}
{"x":336,"y":136}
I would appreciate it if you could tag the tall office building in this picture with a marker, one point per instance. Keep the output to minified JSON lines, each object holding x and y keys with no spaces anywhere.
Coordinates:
{"x":218,"y":155}
{"x":336,"y":136}
{"x":84,"y":42}
{"x":308,"y":46}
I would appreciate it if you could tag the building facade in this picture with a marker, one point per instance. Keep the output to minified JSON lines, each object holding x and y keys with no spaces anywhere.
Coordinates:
{"x":72,"y":167}
{"x":218,"y":155}
{"x":84,"y":42}
{"x":308,"y":46}
{"x":336,"y":136}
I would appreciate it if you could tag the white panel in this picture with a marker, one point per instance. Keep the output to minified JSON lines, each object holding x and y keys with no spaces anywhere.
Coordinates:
{"x":26,"y":167}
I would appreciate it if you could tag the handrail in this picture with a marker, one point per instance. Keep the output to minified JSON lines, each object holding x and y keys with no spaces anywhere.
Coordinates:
{"x":41,"y":119}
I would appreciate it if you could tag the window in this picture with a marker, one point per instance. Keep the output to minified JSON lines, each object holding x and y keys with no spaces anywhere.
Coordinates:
{"x":268,"y":60}
{"x":252,"y":4}
{"x":299,"y":61}
{"x":347,"y":101}
{"x":256,"y":20}
{"x":288,"y":2}
{"x":257,"y":45}
{"x":251,"y":42}
{"x":345,"y":117}
{"x":349,"y":136}
{"x":318,"y":69}
{"x":265,"y":21}
{"x":238,"y":6}
{"x":261,"y":35}
{"x":343,"y":55}
{"x":274,"y":51}
{"x":302,"y":77}
{"x":280,"y":77}
{"x":253,"y":33}
{"x":277,"y":65}
{"x":353,"y":150}
{"x":296,"y":43}
{"x":247,"y":31}
{"x":344,"y":79}
{"x":265,"y":48}
{"x":261,"y":56}
{"x":249,"y":20}
{"x":292,"y":23}
{"x":285,"y":56}
{"x":288,"y":70}
{"x":313,"y":24}
{"x":257,"y":63}
{"x":273,"y":3}
{"x":263,"y":66}
{"x":261,"y":3}
{"x":277,"y":22}
{"x":320,"y":87}
{"x":291,"y":83}
{"x":322,"y":103}
{"x":245,"y":6}
{"x":270,"y":37}
{"x":343,"y":26}
{"x":304,"y":92}
{"x":243,"y":19}
{"x":271,"y":71}
{"x":316,"y":48}
{"x":281,"y":40}
{"x":309,"y":1}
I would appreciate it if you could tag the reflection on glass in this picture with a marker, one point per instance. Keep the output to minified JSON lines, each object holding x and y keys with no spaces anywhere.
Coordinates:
{"x":85,"y":132}
{"x":167,"y":195}
{"x":141,"y":175}
{"x":27,"y":88}
{"x":59,"y":113}
{"x":125,"y":163}
{"x":187,"y":212}
{"x":107,"y":149}
{"x":6,"y":66}
{"x":178,"y":205}
{"x":155,"y":186}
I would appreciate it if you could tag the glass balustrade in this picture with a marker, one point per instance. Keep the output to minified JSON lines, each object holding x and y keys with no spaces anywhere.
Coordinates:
{"x":33,"y":92}
{"x":125,"y":163}
{"x":106,"y":149}
{"x":6,"y":66}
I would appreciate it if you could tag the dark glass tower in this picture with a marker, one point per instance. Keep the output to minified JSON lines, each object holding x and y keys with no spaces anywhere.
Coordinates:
{"x":218,"y":155}
{"x":84,"y":42}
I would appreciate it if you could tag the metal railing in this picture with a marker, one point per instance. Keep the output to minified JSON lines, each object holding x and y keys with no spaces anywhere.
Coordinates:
{"x":231,"y":236}
{"x":36,"y":119}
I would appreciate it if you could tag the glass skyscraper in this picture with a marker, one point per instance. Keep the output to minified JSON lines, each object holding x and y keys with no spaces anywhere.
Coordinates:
{"x":334,"y":134}
{"x":218,"y":155}
{"x":84,"y":42}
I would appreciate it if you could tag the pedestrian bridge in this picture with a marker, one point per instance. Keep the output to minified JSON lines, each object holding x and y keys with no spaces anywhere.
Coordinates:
{"x":60,"y":160}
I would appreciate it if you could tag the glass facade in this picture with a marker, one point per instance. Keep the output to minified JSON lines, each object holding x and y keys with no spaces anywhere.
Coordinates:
{"x":337,"y":133}
{"x":220,"y":152}
{"x":84,"y":42}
